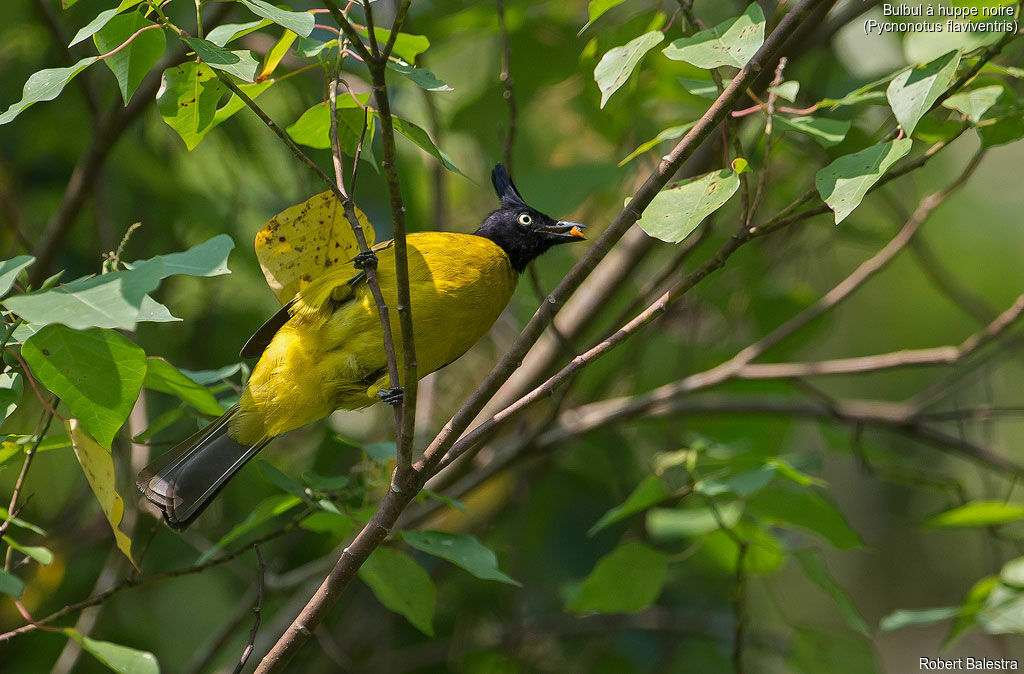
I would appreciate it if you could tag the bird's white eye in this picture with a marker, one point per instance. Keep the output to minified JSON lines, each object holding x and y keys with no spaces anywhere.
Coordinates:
{"x":525,"y":219}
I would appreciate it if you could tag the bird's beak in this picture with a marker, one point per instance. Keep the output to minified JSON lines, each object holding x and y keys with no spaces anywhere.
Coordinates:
{"x":565,"y":231}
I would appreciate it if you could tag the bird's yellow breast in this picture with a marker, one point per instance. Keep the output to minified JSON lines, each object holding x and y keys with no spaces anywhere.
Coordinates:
{"x":330,"y":354}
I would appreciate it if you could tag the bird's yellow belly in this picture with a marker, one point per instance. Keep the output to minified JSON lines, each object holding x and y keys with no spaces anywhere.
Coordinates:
{"x":459,"y":285}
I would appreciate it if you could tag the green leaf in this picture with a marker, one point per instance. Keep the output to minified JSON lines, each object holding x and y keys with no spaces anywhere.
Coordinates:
{"x":978,"y":514}
{"x":45,"y":85}
{"x":912,"y":92}
{"x":308,"y":47}
{"x":209,"y":258}
{"x":339,"y":526}
{"x":618,"y":63}
{"x":321,"y":483}
{"x":676,"y":212}
{"x":188,"y":98}
{"x":100,"y":21}
{"x":239,"y":63}
{"x":844,"y":183}
{"x":38,"y":553}
{"x":420,"y":76}
{"x":666,"y":524}
{"x":297,"y":22}
{"x":11,"y":584}
{"x":118,"y":299}
{"x":839,"y":653}
{"x":282,"y":480}
{"x":164,"y":377}
{"x":28,"y":526}
{"x":595,"y":9}
{"x":626,"y":580}
{"x":407,"y":46}
{"x":857,"y":97}
{"x":827,"y":132}
{"x":786,"y":470}
{"x":97,"y":373}
{"x":227,"y":32}
{"x":976,"y":102}
{"x":112,"y":300}
{"x":462,"y":550}
{"x":118,"y":658}
{"x":381,"y":452}
{"x":401,"y":585}
{"x":974,"y":604}
{"x":731,"y":43}
{"x":787,"y":90}
{"x":668,"y":134}
{"x":234,"y":104}
{"x":1003,"y":612}
{"x":650,"y":491}
{"x":420,"y":138}
{"x":703,"y":88}
{"x":207,"y":377}
{"x":813,"y":566}
{"x":268,"y":508}
{"x":9,"y":270}
{"x":902,"y":618}
{"x":805,"y":509}
{"x":313,"y":127}
{"x":98,"y":466}
{"x":743,"y":484}
{"x":131,"y":64}
{"x":11,"y":388}
{"x":164,"y":420}
{"x":1002,"y":131}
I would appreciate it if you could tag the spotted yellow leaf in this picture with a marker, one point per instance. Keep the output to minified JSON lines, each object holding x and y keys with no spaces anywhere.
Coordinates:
{"x":303,"y":241}
{"x":98,"y":466}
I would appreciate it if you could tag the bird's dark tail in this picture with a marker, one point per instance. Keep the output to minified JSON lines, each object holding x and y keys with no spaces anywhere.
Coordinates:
{"x":183,"y":480}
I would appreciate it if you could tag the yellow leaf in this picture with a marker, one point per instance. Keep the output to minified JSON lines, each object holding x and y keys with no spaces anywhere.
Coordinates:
{"x":98,"y":466}
{"x":302,"y":242}
{"x":274,"y":56}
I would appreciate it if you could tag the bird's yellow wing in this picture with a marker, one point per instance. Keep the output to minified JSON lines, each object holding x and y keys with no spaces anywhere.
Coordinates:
{"x":303,"y":242}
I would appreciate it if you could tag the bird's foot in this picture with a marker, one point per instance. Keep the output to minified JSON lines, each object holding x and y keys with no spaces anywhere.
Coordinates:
{"x":392,"y":396}
{"x":365,"y":260}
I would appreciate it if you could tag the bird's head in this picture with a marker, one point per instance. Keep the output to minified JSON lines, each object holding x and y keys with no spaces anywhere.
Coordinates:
{"x":523,"y":232}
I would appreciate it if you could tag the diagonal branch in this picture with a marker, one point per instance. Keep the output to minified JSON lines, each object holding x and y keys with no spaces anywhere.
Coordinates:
{"x":731,"y":368}
{"x":622,"y":222}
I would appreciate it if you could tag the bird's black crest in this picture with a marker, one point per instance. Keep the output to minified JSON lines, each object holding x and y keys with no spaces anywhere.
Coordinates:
{"x":505,"y":188}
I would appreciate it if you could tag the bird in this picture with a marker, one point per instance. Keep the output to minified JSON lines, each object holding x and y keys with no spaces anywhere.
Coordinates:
{"x":324,"y":350}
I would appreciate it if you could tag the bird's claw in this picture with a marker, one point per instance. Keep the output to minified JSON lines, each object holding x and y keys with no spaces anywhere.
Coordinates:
{"x":365,"y":260}
{"x":392,"y":396}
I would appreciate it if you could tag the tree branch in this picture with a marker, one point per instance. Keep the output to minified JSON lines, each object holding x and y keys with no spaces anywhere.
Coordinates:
{"x":623,"y":221}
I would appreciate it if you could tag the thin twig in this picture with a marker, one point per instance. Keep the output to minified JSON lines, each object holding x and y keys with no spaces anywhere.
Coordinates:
{"x":404,"y":472}
{"x":509,"y":92}
{"x":138,"y":581}
{"x":740,"y":608}
{"x":383,"y":312}
{"x":32,"y":381}
{"x":256,"y":609}
{"x":12,"y":508}
{"x":896,"y":417}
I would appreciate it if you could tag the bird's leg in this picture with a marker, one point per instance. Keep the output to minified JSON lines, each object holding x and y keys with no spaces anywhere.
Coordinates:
{"x":392,"y":396}
{"x":365,"y":260}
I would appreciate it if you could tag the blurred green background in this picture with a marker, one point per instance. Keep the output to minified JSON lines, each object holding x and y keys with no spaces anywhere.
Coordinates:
{"x":536,"y":515}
